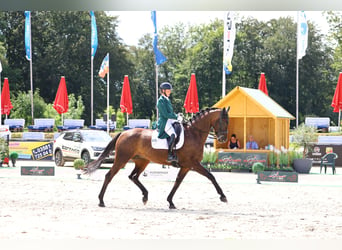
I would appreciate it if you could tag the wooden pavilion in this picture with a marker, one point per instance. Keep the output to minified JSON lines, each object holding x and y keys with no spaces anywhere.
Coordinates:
{"x":254,"y":113}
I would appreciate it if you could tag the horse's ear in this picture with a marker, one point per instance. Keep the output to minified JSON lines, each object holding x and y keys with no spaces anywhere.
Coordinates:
{"x":228,"y":108}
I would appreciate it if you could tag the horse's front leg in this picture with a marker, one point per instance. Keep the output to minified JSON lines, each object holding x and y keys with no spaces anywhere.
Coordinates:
{"x":203,"y":171}
{"x":181,"y":174}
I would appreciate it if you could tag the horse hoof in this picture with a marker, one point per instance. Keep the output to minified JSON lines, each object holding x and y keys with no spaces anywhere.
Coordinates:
{"x":223,"y":199}
{"x":172,"y":206}
{"x":144,"y":199}
{"x":101,"y":205}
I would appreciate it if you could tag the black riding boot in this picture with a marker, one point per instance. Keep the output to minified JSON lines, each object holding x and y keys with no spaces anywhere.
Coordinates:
{"x":171,"y":155}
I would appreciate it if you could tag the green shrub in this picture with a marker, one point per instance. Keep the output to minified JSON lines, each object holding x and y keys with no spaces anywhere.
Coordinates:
{"x":257,"y":167}
{"x":13,"y":155}
{"x":79,"y":164}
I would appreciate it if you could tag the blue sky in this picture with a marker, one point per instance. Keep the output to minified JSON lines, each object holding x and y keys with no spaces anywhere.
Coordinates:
{"x":133,"y":24}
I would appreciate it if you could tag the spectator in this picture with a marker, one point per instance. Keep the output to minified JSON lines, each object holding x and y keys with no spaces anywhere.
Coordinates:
{"x":234,"y":142}
{"x":251,"y":144}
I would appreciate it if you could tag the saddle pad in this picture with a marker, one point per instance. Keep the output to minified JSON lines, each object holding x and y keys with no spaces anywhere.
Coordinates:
{"x":158,"y":143}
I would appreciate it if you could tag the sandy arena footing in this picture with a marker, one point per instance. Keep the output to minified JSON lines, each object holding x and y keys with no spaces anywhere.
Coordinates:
{"x":64,"y":207}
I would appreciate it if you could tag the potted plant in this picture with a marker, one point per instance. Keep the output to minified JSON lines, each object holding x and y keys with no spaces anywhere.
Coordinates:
{"x":13,"y":156}
{"x":205,"y":159}
{"x":294,"y":154}
{"x":79,"y":166}
{"x":209,"y":157}
{"x":213,"y":157}
{"x":273,"y":158}
{"x":304,"y":137}
{"x":283,"y":159}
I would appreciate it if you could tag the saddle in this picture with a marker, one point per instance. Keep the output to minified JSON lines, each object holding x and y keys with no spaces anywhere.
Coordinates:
{"x":158,"y":143}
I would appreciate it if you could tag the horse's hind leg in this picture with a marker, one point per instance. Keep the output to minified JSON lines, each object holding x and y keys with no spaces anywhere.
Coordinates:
{"x":140,"y":166}
{"x":201,"y":170}
{"x":181,"y":174}
{"x":109,"y":176}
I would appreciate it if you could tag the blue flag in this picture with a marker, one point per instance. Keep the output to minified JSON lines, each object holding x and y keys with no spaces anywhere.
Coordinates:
{"x":28,"y":34}
{"x":94,"y":42}
{"x":160,"y":58}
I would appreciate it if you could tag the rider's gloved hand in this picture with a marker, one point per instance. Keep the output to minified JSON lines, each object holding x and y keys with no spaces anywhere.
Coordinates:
{"x":180,"y":117}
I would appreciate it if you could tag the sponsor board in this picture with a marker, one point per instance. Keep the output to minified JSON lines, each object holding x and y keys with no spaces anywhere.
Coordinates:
{"x":32,"y":150}
{"x":277,"y":176}
{"x":37,"y":171}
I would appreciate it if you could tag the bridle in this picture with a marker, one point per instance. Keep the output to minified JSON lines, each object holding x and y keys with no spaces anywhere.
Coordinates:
{"x":221,"y":131}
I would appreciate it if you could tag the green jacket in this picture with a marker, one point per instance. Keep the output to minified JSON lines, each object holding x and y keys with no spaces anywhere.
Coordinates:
{"x":165,"y":111}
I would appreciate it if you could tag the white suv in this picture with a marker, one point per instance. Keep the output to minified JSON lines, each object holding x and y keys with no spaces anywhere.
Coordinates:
{"x":84,"y":144}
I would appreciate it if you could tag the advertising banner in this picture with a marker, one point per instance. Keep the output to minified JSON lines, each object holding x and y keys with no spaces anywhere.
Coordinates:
{"x":32,"y":150}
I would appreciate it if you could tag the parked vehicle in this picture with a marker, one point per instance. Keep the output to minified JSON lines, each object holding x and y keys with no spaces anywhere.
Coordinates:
{"x":83,"y":144}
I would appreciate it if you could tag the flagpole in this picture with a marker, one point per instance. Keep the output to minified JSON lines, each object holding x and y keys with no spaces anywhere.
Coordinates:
{"x":223,"y":72}
{"x":339,"y":119}
{"x":157,"y":89}
{"x":94,"y":43}
{"x":160,"y":58}
{"x":31,"y":78}
{"x":91,"y":91}
{"x":297,"y":92}
{"x":297,"y":74}
{"x":223,"y":82}
{"x":108,"y":98}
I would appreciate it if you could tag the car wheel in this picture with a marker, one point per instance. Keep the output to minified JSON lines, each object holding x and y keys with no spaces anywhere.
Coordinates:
{"x":86,"y":157}
{"x":59,"y":160}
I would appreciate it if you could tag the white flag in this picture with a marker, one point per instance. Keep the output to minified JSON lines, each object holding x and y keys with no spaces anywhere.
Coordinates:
{"x":302,"y":35}
{"x":229,"y":34}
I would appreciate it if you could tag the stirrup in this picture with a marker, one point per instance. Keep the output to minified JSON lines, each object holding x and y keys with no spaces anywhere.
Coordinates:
{"x":172,"y":158}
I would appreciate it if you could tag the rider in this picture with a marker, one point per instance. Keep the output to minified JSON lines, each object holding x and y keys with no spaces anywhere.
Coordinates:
{"x":165,"y":112}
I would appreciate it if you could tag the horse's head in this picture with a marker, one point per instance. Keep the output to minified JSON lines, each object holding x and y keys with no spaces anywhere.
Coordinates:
{"x":220,"y":125}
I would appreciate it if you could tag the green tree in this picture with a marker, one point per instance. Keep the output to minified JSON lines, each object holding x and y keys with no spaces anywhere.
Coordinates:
{"x":61,"y":47}
{"x":75,"y":111}
{"x":204,"y":58}
{"x":143,"y":85}
{"x":22,"y":106}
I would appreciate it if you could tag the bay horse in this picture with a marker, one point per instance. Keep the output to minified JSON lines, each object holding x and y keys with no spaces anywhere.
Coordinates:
{"x":135,"y":144}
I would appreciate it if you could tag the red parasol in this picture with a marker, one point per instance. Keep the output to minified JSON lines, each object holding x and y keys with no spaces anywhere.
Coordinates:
{"x":262,"y":84}
{"x":191,"y":99}
{"x":337,"y":100}
{"x":126,"y":98}
{"x":61,"y":103}
{"x":6,"y":104}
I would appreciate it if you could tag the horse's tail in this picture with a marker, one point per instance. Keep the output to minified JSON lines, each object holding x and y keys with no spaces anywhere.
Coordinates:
{"x":92,"y":166}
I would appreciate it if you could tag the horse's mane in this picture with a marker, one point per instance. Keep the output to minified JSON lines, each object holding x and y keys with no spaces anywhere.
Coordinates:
{"x":195,"y":117}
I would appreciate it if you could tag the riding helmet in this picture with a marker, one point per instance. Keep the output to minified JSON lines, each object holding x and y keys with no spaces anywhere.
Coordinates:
{"x":165,"y":85}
